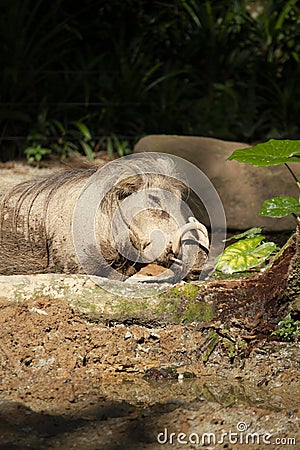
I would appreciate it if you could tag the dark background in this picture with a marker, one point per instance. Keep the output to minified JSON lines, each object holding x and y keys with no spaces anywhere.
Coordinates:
{"x":126,"y":68}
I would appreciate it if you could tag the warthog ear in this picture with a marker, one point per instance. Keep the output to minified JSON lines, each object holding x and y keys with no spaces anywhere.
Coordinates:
{"x":127,"y":186}
{"x":121,"y":190}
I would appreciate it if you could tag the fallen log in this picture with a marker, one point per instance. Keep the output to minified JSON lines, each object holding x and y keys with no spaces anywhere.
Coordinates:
{"x":261,"y":299}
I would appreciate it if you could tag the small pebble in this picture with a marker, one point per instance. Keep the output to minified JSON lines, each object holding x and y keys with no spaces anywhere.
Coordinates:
{"x":38,"y":311}
{"x":128,"y":335}
{"x":180,"y":377}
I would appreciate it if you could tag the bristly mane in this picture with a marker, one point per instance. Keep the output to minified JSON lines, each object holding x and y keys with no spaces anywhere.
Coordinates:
{"x":133,"y":175}
{"x":33,"y":188}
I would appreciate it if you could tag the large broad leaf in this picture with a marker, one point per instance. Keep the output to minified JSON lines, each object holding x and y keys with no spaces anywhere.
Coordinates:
{"x":245,"y":255}
{"x":269,"y":153}
{"x":280,"y":207}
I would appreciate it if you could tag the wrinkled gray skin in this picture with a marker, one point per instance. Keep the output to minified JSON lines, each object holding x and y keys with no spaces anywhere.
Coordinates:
{"x":36,"y":223}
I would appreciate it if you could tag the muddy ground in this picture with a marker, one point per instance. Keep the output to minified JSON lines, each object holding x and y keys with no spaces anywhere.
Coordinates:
{"x":68,"y":382}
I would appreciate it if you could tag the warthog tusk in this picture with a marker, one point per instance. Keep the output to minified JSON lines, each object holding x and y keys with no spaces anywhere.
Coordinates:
{"x":192,"y":225}
{"x":178,"y":261}
{"x":203,"y":230}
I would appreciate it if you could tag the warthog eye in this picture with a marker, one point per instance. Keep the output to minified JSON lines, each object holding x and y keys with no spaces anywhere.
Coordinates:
{"x":164,"y":215}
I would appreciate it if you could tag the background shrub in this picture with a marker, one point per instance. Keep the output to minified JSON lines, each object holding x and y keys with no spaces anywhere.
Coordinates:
{"x":126,"y":68}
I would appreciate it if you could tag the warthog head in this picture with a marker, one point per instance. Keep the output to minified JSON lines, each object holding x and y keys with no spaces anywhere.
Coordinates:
{"x":143,"y":217}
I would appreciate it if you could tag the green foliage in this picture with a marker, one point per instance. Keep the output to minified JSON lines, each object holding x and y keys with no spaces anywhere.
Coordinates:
{"x":280,"y":207}
{"x":58,"y":139}
{"x":272,"y":153}
{"x":81,"y":136}
{"x":246,"y":234}
{"x":130,"y":67}
{"x":115,"y":145}
{"x":34,"y":40}
{"x":35,"y":153}
{"x":250,"y":252}
{"x":246,"y":253}
{"x":288,"y":329}
{"x":269,"y":153}
{"x":52,"y":136}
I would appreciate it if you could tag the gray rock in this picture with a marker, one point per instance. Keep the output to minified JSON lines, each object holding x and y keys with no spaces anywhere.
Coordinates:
{"x":101,"y":299}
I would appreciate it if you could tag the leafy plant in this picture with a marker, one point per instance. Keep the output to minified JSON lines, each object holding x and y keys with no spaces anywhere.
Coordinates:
{"x":252,"y":251}
{"x":280,"y":206}
{"x":129,"y":68}
{"x":52,"y":135}
{"x":269,"y":153}
{"x":81,"y":137}
{"x":272,"y":153}
{"x":245,"y":254}
{"x":35,"y":153}
{"x":288,"y":329}
{"x":114,"y":144}
{"x":29,"y":58}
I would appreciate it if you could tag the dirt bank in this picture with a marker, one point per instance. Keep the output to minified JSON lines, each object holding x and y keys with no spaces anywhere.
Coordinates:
{"x":69,"y":383}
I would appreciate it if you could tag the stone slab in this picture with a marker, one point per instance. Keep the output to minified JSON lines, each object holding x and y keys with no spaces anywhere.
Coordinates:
{"x":111,"y":300}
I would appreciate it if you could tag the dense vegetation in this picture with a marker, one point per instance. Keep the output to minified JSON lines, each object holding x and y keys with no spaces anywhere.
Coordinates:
{"x":125,"y":68}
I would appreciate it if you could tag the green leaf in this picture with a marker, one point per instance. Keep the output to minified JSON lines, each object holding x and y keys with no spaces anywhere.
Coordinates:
{"x":284,"y":14}
{"x":245,"y":255}
{"x":150,"y":72}
{"x":110,"y":148}
{"x":36,"y":152}
{"x":87,"y":150}
{"x":269,"y":153}
{"x":280,"y":207}
{"x":121,"y":147}
{"x":288,"y":328}
{"x":59,"y":126}
{"x":83,"y":130}
{"x":192,"y":13}
{"x":249,"y":233}
{"x":164,"y":78}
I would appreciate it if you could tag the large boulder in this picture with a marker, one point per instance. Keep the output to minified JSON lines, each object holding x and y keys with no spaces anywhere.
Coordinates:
{"x":242,"y":188}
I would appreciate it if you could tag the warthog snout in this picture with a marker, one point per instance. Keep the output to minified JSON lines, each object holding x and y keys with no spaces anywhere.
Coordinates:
{"x":172,"y":243}
{"x":193,"y":224}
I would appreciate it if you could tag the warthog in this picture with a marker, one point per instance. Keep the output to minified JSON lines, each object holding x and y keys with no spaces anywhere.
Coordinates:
{"x":141,"y":210}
